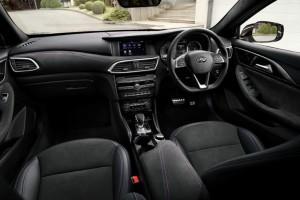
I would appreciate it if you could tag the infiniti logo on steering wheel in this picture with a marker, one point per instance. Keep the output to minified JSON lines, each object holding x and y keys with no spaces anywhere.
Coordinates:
{"x":201,"y":60}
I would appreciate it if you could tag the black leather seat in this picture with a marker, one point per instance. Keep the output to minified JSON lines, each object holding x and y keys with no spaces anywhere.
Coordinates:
{"x":207,"y":144}
{"x":90,"y":169}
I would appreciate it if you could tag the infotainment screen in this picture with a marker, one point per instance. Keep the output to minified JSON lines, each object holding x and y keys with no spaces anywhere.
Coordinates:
{"x":132,"y":48}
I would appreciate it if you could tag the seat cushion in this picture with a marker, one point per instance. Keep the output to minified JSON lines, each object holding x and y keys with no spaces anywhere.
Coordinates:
{"x":77,"y":170}
{"x":207,"y":144}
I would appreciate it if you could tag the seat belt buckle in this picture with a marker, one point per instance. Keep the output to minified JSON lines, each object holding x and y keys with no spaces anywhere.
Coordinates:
{"x":135,"y":180}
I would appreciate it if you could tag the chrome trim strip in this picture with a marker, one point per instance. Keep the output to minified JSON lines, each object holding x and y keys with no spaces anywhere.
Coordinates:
{"x":23,"y":58}
{"x":1,"y":61}
{"x":130,"y":60}
{"x":278,"y":66}
{"x":265,"y":67}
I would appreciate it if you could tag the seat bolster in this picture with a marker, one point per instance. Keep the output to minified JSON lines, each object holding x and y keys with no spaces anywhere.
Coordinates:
{"x":121,"y":170}
{"x":133,"y":196}
{"x":28,"y":181}
{"x":249,"y":141}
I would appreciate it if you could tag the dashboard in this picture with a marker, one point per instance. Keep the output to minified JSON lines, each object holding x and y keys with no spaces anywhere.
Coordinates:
{"x":95,"y":63}
{"x":148,"y":46}
{"x":99,"y":51}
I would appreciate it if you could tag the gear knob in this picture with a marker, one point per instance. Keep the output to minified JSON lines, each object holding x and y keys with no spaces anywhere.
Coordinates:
{"x":140,"y":119}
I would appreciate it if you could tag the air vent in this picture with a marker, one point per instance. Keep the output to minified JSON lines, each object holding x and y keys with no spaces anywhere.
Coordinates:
{"x":2,"y":70}
{"x":147,"y":64}
{"x":136,"y":65}
{"x":124,"y":67}
{"x":23,"y":64}
{"x":27,"y":44}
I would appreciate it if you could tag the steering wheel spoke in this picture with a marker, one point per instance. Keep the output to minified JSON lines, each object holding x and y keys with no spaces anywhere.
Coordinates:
{"x":201,"y":85}
{"x":180,"y":61}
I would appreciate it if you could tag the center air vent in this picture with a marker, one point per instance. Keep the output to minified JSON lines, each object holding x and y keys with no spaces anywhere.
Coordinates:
{"x":23,"y":64}
{"x":136,"y":65}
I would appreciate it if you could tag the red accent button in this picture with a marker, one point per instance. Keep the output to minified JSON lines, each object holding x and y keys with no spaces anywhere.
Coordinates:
{"x":135,"y":179}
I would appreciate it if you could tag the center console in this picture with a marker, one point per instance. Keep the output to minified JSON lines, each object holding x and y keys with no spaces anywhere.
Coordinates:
{"x":135,"y":81}
{"x":136,"y":99}
{"x":160,"y":161}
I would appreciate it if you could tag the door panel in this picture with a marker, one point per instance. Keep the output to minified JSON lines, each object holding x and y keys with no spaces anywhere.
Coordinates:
{"x":16,"y":125}
{"x":269,"y":79}
{"x":6,"y":108}
{"x":288,"y":60}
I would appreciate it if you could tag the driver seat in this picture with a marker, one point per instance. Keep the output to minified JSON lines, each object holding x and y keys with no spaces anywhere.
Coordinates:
{"x":232,"y":162}
{"x":207,"y":144}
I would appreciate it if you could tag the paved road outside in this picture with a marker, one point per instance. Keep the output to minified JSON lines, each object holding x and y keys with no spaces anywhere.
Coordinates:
{"x":285,"y":12}
{"x":59,"y":21}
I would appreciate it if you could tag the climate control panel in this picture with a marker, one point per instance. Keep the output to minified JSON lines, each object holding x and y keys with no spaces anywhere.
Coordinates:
{"x":136,"y":92}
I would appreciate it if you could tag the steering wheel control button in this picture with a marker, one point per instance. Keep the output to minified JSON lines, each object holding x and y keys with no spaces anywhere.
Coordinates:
{"x":218,"y":59}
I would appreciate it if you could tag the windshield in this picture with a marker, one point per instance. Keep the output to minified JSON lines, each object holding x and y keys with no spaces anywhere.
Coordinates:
{"x":64,"y":16}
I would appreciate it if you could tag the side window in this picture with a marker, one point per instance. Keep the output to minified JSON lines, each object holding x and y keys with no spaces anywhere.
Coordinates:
{"x":287,"y":13}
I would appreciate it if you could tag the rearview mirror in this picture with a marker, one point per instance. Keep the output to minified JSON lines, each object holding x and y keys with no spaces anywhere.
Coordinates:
{"x":262,"y":32}
{"x":138,"y":3}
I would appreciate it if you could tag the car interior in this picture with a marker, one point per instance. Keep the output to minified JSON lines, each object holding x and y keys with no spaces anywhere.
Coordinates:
{"x":173,"y":114}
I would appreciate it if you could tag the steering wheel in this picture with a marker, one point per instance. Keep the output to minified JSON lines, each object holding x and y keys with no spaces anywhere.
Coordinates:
{"x":200,"y":63}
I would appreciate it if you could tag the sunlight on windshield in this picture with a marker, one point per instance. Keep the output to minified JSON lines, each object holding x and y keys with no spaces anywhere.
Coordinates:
{"x":59,"y":16}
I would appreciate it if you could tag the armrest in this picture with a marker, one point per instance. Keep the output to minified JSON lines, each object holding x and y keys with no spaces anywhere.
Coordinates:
{"x":169,"y":175}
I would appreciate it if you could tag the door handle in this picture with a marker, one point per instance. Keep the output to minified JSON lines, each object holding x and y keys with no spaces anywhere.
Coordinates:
{"x":267,"y":67}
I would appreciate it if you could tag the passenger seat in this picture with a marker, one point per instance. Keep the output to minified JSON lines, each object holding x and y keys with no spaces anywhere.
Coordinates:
{"x":90,"y":169}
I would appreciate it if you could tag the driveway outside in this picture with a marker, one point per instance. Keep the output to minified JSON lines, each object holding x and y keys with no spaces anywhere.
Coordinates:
{"x":59,"y":21}
{"x":285,"y":12}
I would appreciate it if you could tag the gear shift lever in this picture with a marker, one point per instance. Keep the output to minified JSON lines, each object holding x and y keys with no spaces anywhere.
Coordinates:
{"x":140,"y":120}
{"x":142,"y":126}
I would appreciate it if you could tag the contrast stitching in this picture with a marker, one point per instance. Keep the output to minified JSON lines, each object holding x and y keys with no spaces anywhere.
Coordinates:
{"x":164,"y":172}
{"x":75,"y":171}
{"x":38,"y":192}
{"x":254,"y":143}
{"x":121,"y":184}
{"x":25,"y":172}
